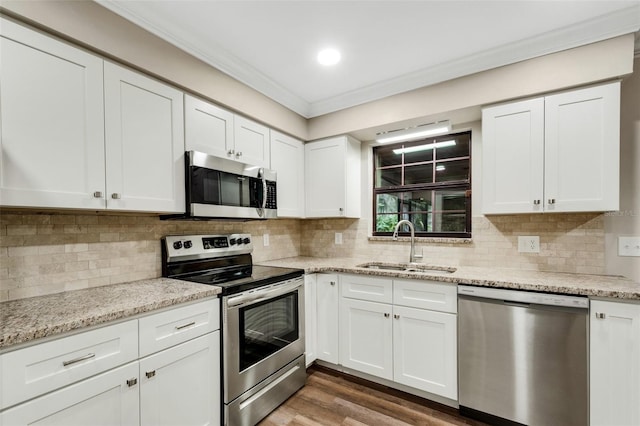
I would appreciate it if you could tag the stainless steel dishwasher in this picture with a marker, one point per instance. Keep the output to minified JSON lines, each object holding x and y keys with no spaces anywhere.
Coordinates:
{"x":522,"y":356}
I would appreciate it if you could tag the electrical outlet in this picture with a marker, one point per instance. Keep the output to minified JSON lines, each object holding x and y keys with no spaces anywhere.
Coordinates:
{"x":629,"y":246}
{"x":338,"y":239}
{"x":529,"y":244}
{"x":265,"y":240}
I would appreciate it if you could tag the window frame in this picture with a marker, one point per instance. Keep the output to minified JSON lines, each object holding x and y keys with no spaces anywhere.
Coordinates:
{"x":434,"y":187}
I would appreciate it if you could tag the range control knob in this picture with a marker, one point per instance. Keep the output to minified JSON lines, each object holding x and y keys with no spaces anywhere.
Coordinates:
{"x":188,"y":244}
{"x":232,"y":241}
{"x":239,"y":241}
{"x":177,"y":245}
{"x":246,"y":241}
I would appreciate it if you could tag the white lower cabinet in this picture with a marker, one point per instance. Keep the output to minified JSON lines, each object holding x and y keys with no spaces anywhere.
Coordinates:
{"x":425,"y":350}
{"x":327,"y":326}
{"x":310,"y":316}
{"x":614,"y":363}
{"x":404,"y":331}
{"x":107,"y":399}
{"x":180,"y":385}
{"x":366,"y":341}
{"x":97,"y":378}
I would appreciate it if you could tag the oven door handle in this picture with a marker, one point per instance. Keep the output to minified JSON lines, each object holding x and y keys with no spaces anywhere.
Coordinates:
{"x":266,"y":294}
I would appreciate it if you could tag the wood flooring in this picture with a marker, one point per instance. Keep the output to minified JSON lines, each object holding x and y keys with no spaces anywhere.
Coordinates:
{"x":331,"y":398}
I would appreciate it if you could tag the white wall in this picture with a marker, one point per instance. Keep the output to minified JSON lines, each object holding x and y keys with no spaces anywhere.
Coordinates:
{"x":626,"y":222}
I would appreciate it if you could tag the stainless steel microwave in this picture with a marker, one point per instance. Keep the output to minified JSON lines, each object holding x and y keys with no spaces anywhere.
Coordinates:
{"x":226,"y":189}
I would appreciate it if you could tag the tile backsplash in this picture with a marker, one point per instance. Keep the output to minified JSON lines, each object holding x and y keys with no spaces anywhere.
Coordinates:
{"x":49,"y":253}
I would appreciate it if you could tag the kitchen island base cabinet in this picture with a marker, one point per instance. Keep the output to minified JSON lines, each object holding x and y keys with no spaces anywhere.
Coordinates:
{"x":180,"y":385}
{"x":614,"y":363}
{"x":108,"y":399}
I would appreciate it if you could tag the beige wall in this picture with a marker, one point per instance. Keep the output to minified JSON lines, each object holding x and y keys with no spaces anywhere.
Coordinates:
{"x":95,"y":27}
{"x":626,"y":222}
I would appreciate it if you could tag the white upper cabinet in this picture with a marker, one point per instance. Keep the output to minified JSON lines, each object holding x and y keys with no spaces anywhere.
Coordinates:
{"x":287,"y":159}
{"x":208,"y":128}
{"x":251,"y":142}
{"x":559,"y":153}
{"x":221,"y":133}
{"x":144,"y":143}
{"x":582,"y":149}
{"x":332,"y":178}
{"x":84,"y":134}
{"x":52,"y":122}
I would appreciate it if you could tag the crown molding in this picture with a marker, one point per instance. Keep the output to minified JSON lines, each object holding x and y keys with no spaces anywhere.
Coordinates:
{"x":621,"y":22}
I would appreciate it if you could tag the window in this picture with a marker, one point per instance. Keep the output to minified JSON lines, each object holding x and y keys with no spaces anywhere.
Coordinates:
{"x":427,"y":182}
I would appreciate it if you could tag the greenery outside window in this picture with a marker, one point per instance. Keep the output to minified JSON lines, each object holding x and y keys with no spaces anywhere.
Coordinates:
{"x":427,"y":182}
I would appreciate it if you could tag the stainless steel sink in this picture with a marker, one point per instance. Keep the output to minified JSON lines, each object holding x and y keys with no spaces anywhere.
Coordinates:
{"x":407,"y":267}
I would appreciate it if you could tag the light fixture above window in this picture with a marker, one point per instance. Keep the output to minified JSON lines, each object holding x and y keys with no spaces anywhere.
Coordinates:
{"x":424,"y":147}
{"x":414,"y":133}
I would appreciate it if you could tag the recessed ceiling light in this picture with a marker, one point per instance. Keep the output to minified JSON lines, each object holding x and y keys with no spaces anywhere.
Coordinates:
{"x":328,"y":57}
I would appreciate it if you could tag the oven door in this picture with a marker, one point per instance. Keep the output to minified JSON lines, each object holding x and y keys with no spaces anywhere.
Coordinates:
{"x":263,"y":330}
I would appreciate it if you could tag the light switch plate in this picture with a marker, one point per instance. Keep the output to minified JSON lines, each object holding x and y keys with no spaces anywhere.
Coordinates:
{"x":338,"y":238}
{"x":629,"y":246}
{"x":529,"y":244}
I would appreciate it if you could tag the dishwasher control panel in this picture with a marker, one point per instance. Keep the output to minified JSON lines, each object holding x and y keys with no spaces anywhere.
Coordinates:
{"x":525,"y":297}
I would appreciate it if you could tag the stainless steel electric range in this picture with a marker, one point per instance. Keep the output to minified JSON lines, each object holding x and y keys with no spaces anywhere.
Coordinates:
{"x":262,"y":319}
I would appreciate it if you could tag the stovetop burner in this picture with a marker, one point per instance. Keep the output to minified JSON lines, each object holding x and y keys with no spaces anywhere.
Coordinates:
{"x":220,"y":260}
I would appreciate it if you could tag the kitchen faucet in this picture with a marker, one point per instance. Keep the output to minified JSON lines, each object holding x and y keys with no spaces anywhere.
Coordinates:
{"x":412,"y":254}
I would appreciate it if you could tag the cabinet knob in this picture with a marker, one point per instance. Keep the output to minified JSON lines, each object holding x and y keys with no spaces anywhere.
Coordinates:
{"x":386,"y":315}
{"x":396,"y":316}
{"x":132,"y":382}
{"x":552,"y":200}
{"x":115,"y":196}
{"x":601,"y":315}
{"x":536,"y":202}
{"x":238,"y":154}
{"x":230,"y":152}
{"x":97,"y":194}
{"x":332,"y":283}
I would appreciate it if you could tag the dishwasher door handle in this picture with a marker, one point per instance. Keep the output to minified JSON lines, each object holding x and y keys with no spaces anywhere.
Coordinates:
{"x":518,"y":304}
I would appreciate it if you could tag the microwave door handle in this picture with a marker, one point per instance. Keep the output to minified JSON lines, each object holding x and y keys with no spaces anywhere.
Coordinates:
{"x":264,"y":191}
{"x":261,"y":295}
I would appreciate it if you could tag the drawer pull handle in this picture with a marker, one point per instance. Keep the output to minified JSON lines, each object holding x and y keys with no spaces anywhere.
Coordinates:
{"x":132,"y":382}
{"x":386,"y":315}
{"x":82,"y":358}
{"x":150,"y":374}
{"x":180,"y":327}
{"x":600,"y":315}
{"x":396,"y":316}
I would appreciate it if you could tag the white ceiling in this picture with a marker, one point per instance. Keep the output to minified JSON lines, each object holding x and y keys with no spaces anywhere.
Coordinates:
{"x":388,"y":46}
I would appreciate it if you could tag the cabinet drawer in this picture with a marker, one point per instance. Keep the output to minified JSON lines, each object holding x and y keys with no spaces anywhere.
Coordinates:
{"x":178,"y":325}
{"x":426,"y":295}
{"x":38,"y":369}
{"x":364,"y":287}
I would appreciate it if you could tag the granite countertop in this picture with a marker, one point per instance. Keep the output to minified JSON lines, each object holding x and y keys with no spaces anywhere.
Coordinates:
{"x":606,"y":286}
{"x":33,"y":318}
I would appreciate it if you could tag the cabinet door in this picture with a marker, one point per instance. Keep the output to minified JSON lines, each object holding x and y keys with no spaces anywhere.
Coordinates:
{"x":325,"y":178}
{"x":512,"y":157}
{"x":251,"y":142}
{"x":52,"y":122}
{"x":310,"y":318}
{"x":366,"y":341}
{"x":181,"y":385}
{"x":614,"y":363}
{"x":103,"y":400}
{"x":425,"y":350}
{"x":207,"y":128}
{"x":582,"y":149}
{"x":328,"y":297}
{"x":287,"y":159}
{"x":144,"y":142}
